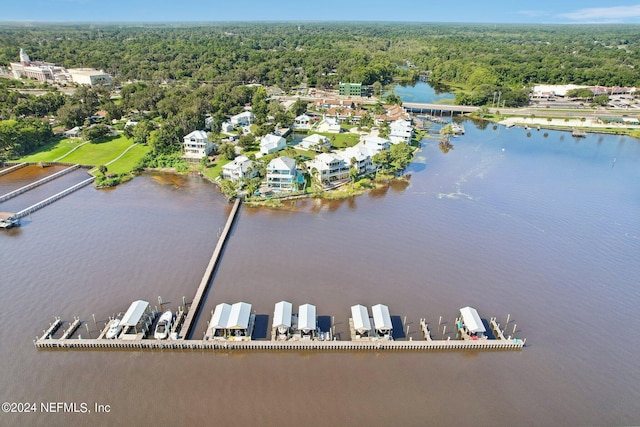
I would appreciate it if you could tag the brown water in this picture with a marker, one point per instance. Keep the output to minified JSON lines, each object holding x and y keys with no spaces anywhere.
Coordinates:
{"x":547,"y":231}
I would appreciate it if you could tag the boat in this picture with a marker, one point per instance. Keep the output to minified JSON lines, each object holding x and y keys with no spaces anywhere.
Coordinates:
{"x":164,"y":326}
{"x":114,"y":329}
{"x":8,"y":220}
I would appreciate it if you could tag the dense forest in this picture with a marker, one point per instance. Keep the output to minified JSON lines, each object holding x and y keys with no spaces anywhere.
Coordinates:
{"x":181,"y":73}
{"x":326,"y":53}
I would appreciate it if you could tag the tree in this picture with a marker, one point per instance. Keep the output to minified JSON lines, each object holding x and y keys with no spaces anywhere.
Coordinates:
{"x":71,"y":115}
{"x":96,"y":132}
{"x":393,"y":99}
{"x":299,"y":107}
{"x":141,"y":131}
{"x":228,"y":151}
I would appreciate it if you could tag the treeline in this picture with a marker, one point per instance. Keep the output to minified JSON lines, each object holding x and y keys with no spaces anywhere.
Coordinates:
{"x":21,"y":136}
{"x":323,"y":54}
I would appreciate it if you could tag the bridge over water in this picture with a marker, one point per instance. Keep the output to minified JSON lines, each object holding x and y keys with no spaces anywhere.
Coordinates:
{"x":438,"y":109}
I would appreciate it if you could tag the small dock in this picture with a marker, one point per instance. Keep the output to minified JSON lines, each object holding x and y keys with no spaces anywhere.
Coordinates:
{"x":577,"y":133}
{"x":37,"y":183}
{"x":193,"y":310}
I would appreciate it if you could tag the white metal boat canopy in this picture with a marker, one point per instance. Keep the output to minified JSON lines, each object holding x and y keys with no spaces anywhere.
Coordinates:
{"x":360,"y":316}
{"x":134,"y":313}
{"x":307,"y":317}
{"x":282,"y":314}
{"x":381,"y":318}
{"x":472,"y":320}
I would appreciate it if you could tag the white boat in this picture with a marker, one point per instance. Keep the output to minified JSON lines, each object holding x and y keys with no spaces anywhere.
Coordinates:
{"x":114,"y":329}
{"x":163,"y":327}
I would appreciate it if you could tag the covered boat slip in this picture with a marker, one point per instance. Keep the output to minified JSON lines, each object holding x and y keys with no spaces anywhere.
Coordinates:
{"x":472,"y":322}
{"x":307,"y":323}
{"x":282,"y":320}
{"x":231,"y":322}
{"x":360,"y":320}
{"x":382,"y":321}
{"x":137,"y":318}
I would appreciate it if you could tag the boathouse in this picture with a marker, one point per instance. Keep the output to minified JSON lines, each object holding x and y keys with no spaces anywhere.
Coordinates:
{"x":238,"y":324}
{"x":135,"y":319}
{"x":307,"y":325}
{"x":361,"y":323}
{"x":472,"y":322}
{"x":219,"y":320}
{"x":281,"y":326}
{"x":382,"y":321}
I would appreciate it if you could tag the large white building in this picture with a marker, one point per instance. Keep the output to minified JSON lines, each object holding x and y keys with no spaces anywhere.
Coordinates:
{"x":89,"y":76}
{"x":282,"y":175}
{"x":330,"y":168}
{"x":48,"y":72}
{"x":400,"y":131}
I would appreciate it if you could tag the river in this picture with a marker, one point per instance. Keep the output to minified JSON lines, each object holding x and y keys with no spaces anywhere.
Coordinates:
{"x":535,"y":224}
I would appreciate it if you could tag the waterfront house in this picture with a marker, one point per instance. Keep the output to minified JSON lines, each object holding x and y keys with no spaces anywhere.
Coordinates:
{"x":245,"y":118}
{"x":271,"y":143}
{"x":240,"y":168}
{"x":196,"y":145}
{"x":315,"y":142}
{"x":400,"y":131}
{"x":376,"y":144}
{"x":360,"y":320}
{"x":303,"y":121}
{"x":329,"y":125}
{"x":357,"y":157}
{"x":282,"y":175}
{"x":382,"y":321}
{"x":329,"y":168}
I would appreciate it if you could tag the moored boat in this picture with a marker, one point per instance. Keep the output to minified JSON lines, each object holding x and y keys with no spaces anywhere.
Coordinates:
{"x":163,"y":326}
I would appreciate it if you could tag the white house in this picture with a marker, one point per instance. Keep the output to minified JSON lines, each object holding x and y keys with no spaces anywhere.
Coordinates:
{"x":329,"y":125}
{"x":240,"y":168}
{"x":282,"y":175}
{"x":331,"y":168}
{"x":360,"y":155}
{"x":226,"y":127}
{"x":302,"y":122}
{"x":376,"y":143}
{"x":315,"y":142}
{"x":271,"y":143}
{"x":197,"y":145}
{"x":400,"y":131}
{"x":245,"y":118}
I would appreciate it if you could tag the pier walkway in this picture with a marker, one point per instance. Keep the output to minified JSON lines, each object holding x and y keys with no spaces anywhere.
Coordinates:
{"x":341,"y":346}
{"x":192,"y":313}
{"x":37,"y":183}
{"x":53,"y":198}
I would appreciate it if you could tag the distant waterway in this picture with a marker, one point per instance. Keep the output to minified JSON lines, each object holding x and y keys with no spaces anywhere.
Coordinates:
{"x":422,"y":92}
{"x":536,"y":224}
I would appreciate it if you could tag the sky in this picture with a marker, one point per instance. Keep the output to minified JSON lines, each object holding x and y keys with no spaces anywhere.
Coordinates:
{"x":479,"y":11}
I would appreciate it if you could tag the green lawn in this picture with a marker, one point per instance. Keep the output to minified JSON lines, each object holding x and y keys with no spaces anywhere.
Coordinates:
{"x":99,"y":154}
{"x":127,"y":162}
{"x":342,"y":140}
{"x":52,"y":151}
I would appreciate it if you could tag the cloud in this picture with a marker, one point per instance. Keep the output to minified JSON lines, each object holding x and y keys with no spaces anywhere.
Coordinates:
{"x":605,"y":14}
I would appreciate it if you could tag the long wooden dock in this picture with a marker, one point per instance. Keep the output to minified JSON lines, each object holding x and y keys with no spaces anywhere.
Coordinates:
{"x":192,"y":313}
{"x":53,"y":198}
{"x":37,"y":183}
{"x":301,"y":345}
